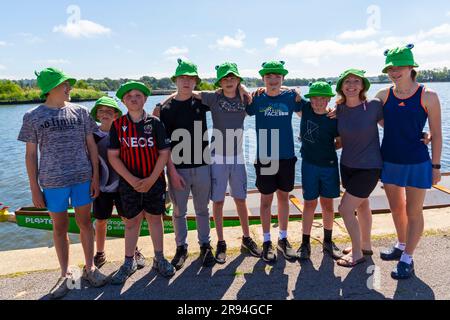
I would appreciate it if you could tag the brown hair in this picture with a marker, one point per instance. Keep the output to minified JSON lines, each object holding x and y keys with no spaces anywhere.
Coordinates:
{"x":414,"y":74}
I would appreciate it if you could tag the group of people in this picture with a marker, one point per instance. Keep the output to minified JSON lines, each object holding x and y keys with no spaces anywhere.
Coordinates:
{"x":122,"y":163}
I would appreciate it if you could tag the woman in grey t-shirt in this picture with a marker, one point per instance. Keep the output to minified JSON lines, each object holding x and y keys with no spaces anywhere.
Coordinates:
{"x":361,"y":161}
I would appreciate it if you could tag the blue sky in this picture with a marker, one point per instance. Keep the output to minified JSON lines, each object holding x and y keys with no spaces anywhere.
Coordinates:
{"x":135,"y":38}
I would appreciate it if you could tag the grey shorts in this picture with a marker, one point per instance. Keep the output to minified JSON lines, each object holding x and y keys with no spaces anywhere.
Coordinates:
{"x":233,"y":174}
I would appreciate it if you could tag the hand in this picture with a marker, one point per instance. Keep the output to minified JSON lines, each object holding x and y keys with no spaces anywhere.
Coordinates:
{"x":219,"y":91}
{"x":427,"y":138}
{"x":298,"y":94}
{"x":134,"y":182}
{"x":38,"y":199}
{"x":331,"y":113}
{"x":436,"y":176}
{"x":177,"y":181}
{"x":258,"y":92}
{"x":144,"y":185}
{"x":245,"y":94}
{"x":95,"y":188}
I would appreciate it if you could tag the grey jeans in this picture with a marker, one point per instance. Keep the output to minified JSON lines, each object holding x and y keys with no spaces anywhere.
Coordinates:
{"x":198,"y":181}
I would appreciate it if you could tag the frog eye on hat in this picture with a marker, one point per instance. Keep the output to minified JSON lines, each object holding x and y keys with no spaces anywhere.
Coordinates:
{"x":386,"y":52}
{"x":179,"y":60}
{"x":283,"y":63}
{"x":330,"y":83}
{"x":264,"y":64}
{"x":410,"y":46}
{"x":310,"y":84}
{"x":217,"y":67}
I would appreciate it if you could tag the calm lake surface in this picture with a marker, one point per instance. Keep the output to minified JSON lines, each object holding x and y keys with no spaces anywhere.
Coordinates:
{"x":14,"y":187}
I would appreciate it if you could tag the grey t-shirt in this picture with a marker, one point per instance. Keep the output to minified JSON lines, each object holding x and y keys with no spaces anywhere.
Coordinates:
{"x":227,"y":114}
{"x":61,"y":137}
{"x":358,"y":129}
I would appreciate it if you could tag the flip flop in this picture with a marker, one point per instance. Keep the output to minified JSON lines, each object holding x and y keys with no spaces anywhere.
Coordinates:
{"x":347,"y":264}
{"x":365,"y":252}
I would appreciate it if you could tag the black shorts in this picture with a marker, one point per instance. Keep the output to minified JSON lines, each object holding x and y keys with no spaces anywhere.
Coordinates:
{"x":133,"y":202}
{"x":283,"y":179}
{"x":103,"y":205}
{"x":359,"y":183}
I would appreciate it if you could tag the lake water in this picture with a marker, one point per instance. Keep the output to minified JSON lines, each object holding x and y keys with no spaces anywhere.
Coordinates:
{"x":14,"y":187}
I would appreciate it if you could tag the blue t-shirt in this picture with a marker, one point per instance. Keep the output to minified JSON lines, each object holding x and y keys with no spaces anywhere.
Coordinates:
{"x":272,"y":114}
{"x":318,"y":133}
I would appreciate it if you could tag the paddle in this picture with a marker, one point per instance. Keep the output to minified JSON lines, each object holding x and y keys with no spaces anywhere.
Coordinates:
{"x":442,"y":188}
{"x":296,"y":202}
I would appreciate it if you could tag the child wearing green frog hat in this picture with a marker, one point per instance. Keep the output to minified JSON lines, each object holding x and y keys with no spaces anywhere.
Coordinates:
{"x":320,"y":171}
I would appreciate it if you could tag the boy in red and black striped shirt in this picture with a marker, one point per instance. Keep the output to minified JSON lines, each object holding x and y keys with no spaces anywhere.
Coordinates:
{"x":139,"y":150}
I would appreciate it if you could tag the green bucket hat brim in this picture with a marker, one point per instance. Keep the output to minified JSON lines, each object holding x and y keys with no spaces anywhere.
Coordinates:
{"x":400,"y":63}
{"x":127,"y":87}
{"x":102,"y":102}
{"x":267,"y":71}
{"x":189,"y":74}
{"x":354,"y":73}
{"x":60,"y":81}
{"x":217,"y":83}
{"x":319,"y":94}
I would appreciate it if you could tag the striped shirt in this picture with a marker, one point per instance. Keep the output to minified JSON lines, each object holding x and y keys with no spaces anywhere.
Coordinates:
{"x":139,"y":143}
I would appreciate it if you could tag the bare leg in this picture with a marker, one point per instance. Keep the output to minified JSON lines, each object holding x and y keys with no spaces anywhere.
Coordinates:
{"x":155,"y":223}
{"x":414,"y":208}
{"x":265,"y":209}
{"x":397,"y":203}
{"x":218,"y":219}
{"x":241,"y":207}
{"x":365,"y":224}
{"x":308,"y":216}
{"x":61,"y":239}
{"x":132,"y":230}
{"x":84,"y":222}
{"x":283,"y":209}
{"x":100,"y":234}
{"x":327,"y":212}
{"x":347,"y":209}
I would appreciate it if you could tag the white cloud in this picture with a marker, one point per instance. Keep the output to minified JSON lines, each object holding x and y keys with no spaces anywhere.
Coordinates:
{"x":3,"y":44}
{"x":55,"y":61}
{"x":435,"y":64}
{"x":253,"y":51}
{"x":174,"y":51}
{"x":31,"y":38}
{"x":229,"y":42}
{"x":358,"y":34}
{"x":2,"y":67}
{"x":314,"y":50}
{"x":82,"y":29}
{"x":271,"y":42}
{"x":448,"y":14}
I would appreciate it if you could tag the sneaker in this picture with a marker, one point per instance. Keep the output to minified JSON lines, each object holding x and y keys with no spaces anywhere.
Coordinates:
{"x":304,"y":252}
{"x":95,"y":278}
{"x":207,"y":256}
{"x":221,"y":252}
{"x":251,"y":246}
{"x":99,"y":260}
{"x":285,"y":247}
{"x":268,"y":254}
{"x":140,"y":259}
{"x":60,"y":289}
{"x":332,"y":250}
{"x":403,"y":271}
{"x":180,"y":257}
{"x":391,"y":254}
{"x":125,"y":271}
{"x":164,"y":267}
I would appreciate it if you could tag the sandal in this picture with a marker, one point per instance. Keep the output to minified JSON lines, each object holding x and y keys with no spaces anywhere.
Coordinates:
{"x":348,"y":264}
{"x":365,"y":252}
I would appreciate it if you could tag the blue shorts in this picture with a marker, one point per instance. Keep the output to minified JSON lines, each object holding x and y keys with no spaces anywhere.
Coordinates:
{"x":57,"y":199}
{"x":408,"y":175}
{"x":320,"y":181}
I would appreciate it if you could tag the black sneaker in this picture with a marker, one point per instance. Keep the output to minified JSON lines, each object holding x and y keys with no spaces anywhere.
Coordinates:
{"x":304,"y":252}
{"x":391,"y":254}
{"x":99,"y":260}
{"x":332,"y":250}
{"x":221,"y":252}
{"x":180,"y":257}
{"x":268,"y":254}
{"x":207,"y":256}
{"x":251,"y":246}
{"x":286,"y":249}
{"x":403,"y":271}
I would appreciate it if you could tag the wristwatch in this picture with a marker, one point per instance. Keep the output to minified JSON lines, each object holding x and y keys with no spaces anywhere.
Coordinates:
{"x":436,"y":166}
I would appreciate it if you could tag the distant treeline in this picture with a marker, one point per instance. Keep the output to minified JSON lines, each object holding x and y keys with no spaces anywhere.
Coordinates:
{"x":107,"y":84}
